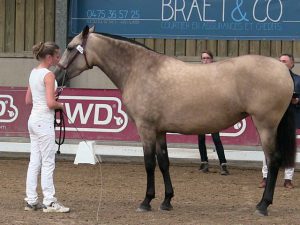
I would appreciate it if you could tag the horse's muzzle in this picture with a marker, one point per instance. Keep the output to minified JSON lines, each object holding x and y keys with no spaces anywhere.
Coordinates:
{"x":60,"y":75}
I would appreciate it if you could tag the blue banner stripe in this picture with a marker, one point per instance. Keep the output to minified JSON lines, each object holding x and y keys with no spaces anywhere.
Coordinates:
{"x":189,"y":19}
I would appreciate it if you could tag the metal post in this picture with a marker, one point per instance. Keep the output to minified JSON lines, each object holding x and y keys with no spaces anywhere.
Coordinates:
{"x":61,"y":21}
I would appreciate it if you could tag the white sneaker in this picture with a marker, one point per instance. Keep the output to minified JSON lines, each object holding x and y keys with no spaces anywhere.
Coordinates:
{"x":56,"y":207}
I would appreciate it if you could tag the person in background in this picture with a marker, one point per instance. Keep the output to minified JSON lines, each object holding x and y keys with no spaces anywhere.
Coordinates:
{"x":41,"y":94}
{"x":207,"y":57}
{"x":288,"y":60}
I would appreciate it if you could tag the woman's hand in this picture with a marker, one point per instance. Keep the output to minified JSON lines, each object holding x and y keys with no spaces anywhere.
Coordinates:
{"x":295,"y":101}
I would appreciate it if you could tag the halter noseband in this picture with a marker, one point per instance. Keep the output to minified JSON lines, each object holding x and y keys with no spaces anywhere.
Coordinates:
{"x":80,"y":50}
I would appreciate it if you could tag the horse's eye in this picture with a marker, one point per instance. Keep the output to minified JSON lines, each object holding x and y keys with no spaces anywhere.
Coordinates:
{"x":69,"y":48}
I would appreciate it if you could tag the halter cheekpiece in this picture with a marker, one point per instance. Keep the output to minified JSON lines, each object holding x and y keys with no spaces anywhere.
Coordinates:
{"x":80,"y":50}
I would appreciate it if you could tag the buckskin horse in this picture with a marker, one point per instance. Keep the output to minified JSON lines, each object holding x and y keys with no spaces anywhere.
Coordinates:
{"x":163,"y":94}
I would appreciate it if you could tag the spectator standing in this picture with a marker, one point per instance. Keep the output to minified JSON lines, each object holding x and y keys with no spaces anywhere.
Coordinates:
{"x":207,"y":57}
{"x":288,"y":60}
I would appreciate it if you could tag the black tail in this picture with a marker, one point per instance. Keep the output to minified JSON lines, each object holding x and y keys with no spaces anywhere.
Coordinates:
{"x":286,"y":138}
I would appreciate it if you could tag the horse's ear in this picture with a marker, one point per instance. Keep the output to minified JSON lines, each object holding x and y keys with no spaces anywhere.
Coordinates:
{"x":85,"y":31}
{"x":92,"y":29}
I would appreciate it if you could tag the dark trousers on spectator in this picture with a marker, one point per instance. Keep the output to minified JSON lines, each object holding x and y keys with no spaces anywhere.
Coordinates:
{"x":219,"y":147}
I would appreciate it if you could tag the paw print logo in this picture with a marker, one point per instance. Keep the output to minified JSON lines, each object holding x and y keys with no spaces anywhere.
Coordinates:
{"x":238,"y":129}
{"x":8,"y":111}
{"x":119,"y":120}
{"x":238,"y":125}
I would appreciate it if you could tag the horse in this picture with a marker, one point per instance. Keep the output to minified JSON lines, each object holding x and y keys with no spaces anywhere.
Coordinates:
{"x":163,"y":94}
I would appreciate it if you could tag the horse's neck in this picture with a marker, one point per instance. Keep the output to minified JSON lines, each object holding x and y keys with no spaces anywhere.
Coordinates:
{"x":116,"y":59}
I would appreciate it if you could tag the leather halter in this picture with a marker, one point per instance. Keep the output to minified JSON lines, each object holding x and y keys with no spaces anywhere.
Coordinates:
{"x":80,"y":50}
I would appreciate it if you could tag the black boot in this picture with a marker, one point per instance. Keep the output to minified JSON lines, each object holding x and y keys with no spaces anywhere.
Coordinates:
{"x":204,"y":167}
{"x":224,"y":170}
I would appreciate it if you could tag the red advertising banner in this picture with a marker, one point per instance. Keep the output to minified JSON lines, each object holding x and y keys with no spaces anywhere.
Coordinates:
{"x":99,"y":115}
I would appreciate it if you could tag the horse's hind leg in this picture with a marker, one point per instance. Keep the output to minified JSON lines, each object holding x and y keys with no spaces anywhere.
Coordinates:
{"x":148,"y":138}
{"x":267,"y":198}
{"x":268,"y":141}
{"x":163,"y":162}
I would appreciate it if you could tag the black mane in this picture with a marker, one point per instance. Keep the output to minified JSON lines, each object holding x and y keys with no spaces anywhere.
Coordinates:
{"x":124,"y":39}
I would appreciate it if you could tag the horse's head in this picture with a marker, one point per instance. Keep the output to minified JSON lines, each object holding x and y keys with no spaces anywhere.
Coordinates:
{"x":75,"y":58}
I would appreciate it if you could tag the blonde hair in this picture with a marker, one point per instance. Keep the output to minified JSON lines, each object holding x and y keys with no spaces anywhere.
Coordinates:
{"x":41,"y":49}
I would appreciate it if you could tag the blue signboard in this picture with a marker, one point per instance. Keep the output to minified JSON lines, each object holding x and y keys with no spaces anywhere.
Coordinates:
{"x":189,"y":19}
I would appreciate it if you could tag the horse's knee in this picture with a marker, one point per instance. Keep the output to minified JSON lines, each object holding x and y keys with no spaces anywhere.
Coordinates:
{"x":149,"y":159}
{"x":150,"y":166}
{"x":163,"y":161}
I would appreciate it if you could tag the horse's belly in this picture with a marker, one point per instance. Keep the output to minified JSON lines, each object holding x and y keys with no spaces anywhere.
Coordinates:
{"x":200,"y":125}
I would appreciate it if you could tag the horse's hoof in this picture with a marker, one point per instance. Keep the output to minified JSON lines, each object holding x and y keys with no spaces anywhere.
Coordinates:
{"x":261,"y":212}
{"x":166,"y":207}
{"x":144,"y":208}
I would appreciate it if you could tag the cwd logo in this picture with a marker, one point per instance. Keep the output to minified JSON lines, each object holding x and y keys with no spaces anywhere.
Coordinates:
{"x":94,"y":114}
{"x":8,"y":111}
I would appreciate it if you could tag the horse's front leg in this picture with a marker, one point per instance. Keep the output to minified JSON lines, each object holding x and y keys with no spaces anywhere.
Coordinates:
{"x":148,"y":139}
{"x":163,"y":162}
{"x":267,"y":198}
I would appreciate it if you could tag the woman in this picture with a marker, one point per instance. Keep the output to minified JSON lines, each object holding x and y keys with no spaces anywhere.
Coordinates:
{"x":41,"y":94}
{"x":207,"y":57}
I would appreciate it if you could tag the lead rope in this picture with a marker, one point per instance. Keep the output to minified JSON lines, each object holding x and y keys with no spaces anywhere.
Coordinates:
{"x":99,"y":160}
{"x":61,"y":139}
{"x":60,"y":122}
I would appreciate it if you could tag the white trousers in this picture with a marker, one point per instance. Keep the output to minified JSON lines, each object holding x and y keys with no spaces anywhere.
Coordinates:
{"x":42,"y":160}
{"x":288,"y":172}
